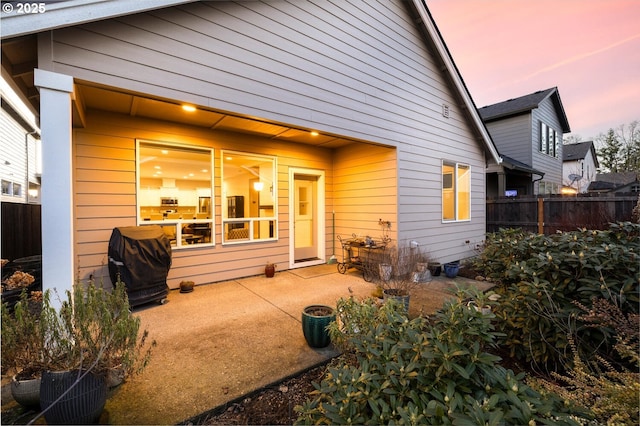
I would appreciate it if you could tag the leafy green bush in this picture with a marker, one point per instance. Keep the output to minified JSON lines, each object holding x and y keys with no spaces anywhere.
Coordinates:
{"x":540,"y":276}
{"x":421,"y":371}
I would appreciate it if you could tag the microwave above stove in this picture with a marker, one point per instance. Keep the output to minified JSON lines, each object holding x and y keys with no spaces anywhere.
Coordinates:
{"x":168,"y":201}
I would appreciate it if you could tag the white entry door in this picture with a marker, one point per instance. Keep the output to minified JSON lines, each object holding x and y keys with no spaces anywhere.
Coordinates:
{"x":308,"y":217}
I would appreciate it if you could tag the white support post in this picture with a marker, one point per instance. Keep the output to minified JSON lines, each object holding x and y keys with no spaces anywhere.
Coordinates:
{"x":57,"y":184}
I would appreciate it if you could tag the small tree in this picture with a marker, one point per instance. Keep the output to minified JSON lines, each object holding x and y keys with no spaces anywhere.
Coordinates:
{"x":620,"y":148}
{"x":610,"y":152}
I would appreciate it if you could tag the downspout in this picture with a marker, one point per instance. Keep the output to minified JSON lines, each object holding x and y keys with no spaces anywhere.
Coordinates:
{"x":536,"y":180}
{"x":26,"y":163}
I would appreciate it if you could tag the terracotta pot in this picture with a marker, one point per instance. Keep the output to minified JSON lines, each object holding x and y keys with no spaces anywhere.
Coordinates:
{"x":186,"y":286}
{"x":270,"y":270}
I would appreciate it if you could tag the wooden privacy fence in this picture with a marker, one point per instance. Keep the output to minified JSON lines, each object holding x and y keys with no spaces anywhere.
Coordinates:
{"x":21,"y":230}
{"x":546,"y":215}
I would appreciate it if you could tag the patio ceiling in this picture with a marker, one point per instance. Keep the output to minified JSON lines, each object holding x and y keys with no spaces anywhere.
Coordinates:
{"x":19,"y":59}
{"x":135,"y":105}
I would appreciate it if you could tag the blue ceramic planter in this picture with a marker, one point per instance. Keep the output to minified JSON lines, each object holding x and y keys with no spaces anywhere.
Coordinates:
{"x":451,"y":269}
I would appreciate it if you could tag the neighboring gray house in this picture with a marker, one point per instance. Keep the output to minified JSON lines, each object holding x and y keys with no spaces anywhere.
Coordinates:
{"x":624,"y":183}
{"x":579,"y":165}
{"x":528,"y":134}
{"x":266,"y":119}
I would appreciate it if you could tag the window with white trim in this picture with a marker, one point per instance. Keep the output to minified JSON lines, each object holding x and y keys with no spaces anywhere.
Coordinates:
{"x":456,"y":192}
{"x":249,"y":197}
{"x":175,"y":191}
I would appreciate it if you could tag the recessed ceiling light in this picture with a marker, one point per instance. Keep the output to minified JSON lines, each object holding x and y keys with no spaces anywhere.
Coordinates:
{"x":314,"y":133}
{"x":188,"y":108}
{"x":165,"y":151}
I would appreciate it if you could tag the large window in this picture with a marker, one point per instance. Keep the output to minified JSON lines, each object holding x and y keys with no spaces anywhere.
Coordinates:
{"x":549,"y":140}
{"x":456,"y":192}
{"x":249,"y":195}
{"x":175,"y":191}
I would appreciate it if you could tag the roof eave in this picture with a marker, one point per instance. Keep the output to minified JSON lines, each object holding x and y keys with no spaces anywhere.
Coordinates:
{"x":456,"y":78}
{"x":564,"y":121}
{"x":75,"y":12}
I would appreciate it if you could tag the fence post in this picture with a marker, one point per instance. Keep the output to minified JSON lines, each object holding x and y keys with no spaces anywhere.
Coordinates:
{"x":540,"y":215}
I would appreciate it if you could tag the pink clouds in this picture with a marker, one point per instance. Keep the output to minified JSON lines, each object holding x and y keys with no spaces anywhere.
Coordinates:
{"x":589,"y":49}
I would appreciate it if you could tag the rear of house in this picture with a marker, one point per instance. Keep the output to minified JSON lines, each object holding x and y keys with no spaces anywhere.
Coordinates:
{"x":305,"y":121}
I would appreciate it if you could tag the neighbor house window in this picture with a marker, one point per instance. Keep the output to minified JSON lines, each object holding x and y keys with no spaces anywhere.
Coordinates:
{"x":17,"y":190}
{"x":456,"y":192}
{"x":175,"y":191}
{"x":6,"y":187}
{"x":249,"y":197}
{"x":548,"y":188}
{"x":549,"y":140}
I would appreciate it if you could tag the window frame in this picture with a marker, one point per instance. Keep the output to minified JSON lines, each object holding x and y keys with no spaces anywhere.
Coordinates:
{"x":549,"y":141}
{"x":250,"y":222}
{"x":455,"y":186}
{"x":174,"y":226}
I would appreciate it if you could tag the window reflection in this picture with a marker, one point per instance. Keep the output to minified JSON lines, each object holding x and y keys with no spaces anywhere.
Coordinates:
{"x":248,"y":197}
{"x":175,"y":191}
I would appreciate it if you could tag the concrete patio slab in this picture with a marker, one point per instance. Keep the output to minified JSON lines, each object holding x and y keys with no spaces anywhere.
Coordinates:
{"x":227,"y":339}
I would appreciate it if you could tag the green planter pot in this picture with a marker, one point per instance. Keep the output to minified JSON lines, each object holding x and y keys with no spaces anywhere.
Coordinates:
{"x":315,"y":319}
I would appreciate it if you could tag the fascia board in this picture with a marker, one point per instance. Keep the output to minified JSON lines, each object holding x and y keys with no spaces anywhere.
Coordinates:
{"x":75,"y":12}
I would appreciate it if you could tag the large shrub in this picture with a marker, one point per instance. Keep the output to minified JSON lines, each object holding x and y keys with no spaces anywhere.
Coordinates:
{"x":540,"y":277}
{"x":611,"y":393}
{"x":423,"y":372}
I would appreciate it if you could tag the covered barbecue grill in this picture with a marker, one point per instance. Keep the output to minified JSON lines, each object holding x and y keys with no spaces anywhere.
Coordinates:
{"x":141,"y":257}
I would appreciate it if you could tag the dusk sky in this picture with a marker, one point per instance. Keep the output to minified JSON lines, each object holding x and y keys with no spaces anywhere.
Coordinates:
{"x":589,"y":49}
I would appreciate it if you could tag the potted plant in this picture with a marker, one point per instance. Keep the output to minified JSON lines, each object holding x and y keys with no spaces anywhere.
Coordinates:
{"x":270,"y":269}
{"x":76,"y":349}
{"x":23,"y":352}
{"x":96,"y":336}
{"x":315,"y":319}
{"x":403,"y":268}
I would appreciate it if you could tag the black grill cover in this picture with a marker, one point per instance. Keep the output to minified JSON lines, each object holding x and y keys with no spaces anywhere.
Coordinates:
{"x":141,"y":256}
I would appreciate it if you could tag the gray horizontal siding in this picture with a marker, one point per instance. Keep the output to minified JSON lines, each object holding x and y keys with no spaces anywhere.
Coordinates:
{"x":298,"y":63}
{"x":513,"y":137}
{"x":551,"y":166}
{"x":355,"y":68}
